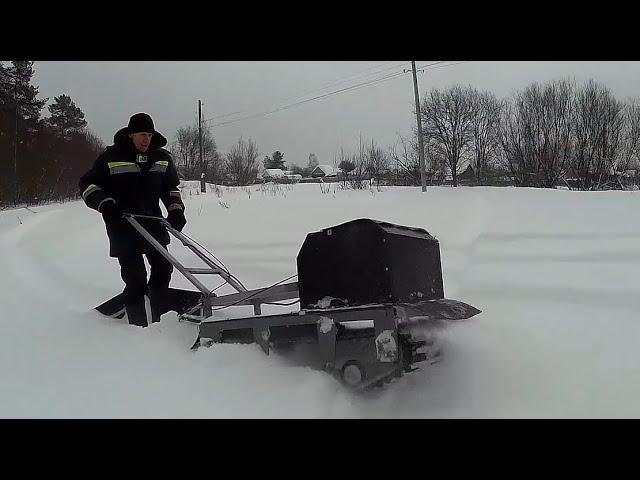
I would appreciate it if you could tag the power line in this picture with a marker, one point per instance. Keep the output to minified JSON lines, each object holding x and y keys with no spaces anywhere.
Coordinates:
{"x":362,"y":73}
{"x":442,"y":66}
{"x":319,"y":97}
{"x":286,"y":107}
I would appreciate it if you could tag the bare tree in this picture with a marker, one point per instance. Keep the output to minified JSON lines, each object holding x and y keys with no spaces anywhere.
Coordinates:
{"x":447,"y":123}
{"x":599,"y":135}
{"x":630,"y":150}
{"x":376,"y":163}
{"x":404,"y":156}
{"x":357,"y":168}
{"x":536,"y":133}
{"x":241,"y":162}
{"x":513,"y":151}
{"x":557,"y":128}
{"x":484,"y":124}
{"x":186,"y":151}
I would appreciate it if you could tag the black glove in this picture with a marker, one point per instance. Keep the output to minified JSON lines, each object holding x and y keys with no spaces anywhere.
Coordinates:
{"x":176,"y":219}
{"x":111,"y":211}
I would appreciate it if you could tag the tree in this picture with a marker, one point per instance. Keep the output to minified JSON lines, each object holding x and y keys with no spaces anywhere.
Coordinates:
{"x":484,"y":124}
{"x":377,"y":163}
{"x":447,"y":124}
{"x":298,"y":170}
{"x":346,"y":166}
{"x":186,"y":150}
{"x":19,"y":121}
{"x":407,"y":161}
{"x":241,"y":163}
{"x":274,"y":161}
{"x":536,"y":133}
{"x":277,"y":158}
{"x":6,"y":86}
{"x":630,"y":150}
{"x":21,"y":91}
{"x":598,"y":135}
{"x":313,"y":161}
{"x":65,"y":116}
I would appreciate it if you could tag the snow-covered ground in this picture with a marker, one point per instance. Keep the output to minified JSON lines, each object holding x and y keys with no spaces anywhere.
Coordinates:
{"x":555,"y":274}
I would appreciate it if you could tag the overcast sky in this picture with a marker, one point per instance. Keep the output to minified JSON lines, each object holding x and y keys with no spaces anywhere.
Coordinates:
{"x":109,"y":92}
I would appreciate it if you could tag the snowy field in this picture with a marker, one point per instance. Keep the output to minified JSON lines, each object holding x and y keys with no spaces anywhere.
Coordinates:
{"x":555,"y":274}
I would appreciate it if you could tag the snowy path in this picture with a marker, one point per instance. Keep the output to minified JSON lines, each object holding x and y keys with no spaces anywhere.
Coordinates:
{"x":554,"y":272}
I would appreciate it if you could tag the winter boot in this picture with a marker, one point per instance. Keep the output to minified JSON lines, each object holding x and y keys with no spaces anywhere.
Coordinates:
{"x":137,"y":313}
{"x":158,"y":299}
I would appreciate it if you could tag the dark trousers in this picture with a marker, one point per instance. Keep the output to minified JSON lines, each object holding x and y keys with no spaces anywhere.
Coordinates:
{"x":134,"y":274}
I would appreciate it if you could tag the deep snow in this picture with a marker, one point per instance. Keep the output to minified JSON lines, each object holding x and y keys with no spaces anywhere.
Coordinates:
{"x":554,"y":273}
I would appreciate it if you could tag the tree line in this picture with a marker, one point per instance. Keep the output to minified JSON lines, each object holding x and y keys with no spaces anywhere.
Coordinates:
{"x":41,"y":158}
{"x":549,"y":134}
{"x":239,"y":166}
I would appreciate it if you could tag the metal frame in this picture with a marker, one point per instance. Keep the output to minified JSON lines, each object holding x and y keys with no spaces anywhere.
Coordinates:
{"x":244,"y":297}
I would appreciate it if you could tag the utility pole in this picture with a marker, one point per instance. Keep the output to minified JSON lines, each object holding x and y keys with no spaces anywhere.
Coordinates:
{"x":423,"y":168}
{"x":15,"y":139}
{"x":203,"y":185}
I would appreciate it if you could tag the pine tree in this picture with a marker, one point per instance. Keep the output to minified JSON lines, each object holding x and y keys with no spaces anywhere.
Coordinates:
{"x":65,"y":116}
{"x":6,"y":89}
{"x":278,"y":160}
{"x":25,"y":94}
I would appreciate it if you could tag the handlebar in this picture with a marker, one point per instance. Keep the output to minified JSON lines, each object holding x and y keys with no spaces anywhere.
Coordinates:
{"x":162,"y":220}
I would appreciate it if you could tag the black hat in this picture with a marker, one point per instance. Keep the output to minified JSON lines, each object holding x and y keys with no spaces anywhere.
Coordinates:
{"x":140,"y":122}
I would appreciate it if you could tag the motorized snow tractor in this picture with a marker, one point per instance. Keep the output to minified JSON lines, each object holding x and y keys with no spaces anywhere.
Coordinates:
{"x":371,"y":301}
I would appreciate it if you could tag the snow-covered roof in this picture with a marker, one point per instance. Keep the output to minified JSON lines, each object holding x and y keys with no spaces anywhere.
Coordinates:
{"x":273,"y":172}
{"x":328,"y":170}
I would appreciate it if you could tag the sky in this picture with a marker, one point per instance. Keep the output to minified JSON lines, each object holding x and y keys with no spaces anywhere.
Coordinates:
{"x":110,"y":92}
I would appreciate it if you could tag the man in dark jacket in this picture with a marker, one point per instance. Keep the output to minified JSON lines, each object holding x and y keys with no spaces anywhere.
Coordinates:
{"x":132,"y":176}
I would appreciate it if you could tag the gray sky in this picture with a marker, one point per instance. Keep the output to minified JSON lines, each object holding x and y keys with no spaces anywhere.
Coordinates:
{"x":109,"y":92}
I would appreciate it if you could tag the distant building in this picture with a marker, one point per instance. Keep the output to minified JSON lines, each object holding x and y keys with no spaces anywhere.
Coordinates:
{"x":468,"y":175}
{"x":277,"y":175}
{"x":273,"y":173}
{"x":324,"y":171}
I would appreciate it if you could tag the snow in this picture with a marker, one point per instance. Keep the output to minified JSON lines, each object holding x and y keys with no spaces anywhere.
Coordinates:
{"x":554,"y":272}
{"x":325,"y":324}
{"x":387,"y":349}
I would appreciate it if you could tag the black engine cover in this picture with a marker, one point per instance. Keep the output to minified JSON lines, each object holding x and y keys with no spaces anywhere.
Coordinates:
{"x":367,"y":261}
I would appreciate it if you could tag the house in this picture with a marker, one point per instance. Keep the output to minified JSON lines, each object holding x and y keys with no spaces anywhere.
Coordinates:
{"x":324,"y":171}
{"x":468,"y":176}
{"x":273,"y":173}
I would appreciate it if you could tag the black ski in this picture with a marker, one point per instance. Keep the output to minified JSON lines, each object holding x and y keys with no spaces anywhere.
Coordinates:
{"x":178,"y":300}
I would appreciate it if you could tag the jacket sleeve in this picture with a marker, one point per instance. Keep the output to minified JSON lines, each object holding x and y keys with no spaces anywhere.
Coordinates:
{"x":92,"y":185}
{"x":170,"y":195}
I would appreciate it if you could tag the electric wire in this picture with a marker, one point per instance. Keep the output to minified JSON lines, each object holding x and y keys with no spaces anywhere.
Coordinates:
{"x":319,"y":97}
{"x":376,"y":70}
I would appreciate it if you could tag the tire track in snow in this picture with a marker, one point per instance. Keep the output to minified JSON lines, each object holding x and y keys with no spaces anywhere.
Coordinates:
{"x":30,"y":268}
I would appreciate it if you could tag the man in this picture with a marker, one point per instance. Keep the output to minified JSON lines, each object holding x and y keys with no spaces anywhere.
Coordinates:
{"x":131,"y":176}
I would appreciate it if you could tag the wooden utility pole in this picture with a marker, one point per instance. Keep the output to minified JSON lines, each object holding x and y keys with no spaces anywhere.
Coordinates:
{"x":203,"y":185}
{"x":15,"y":140}
{"x":423,"y":168}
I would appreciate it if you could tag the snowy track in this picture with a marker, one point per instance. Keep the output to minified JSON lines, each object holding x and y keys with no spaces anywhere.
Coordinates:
{"x":554,"y":272}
